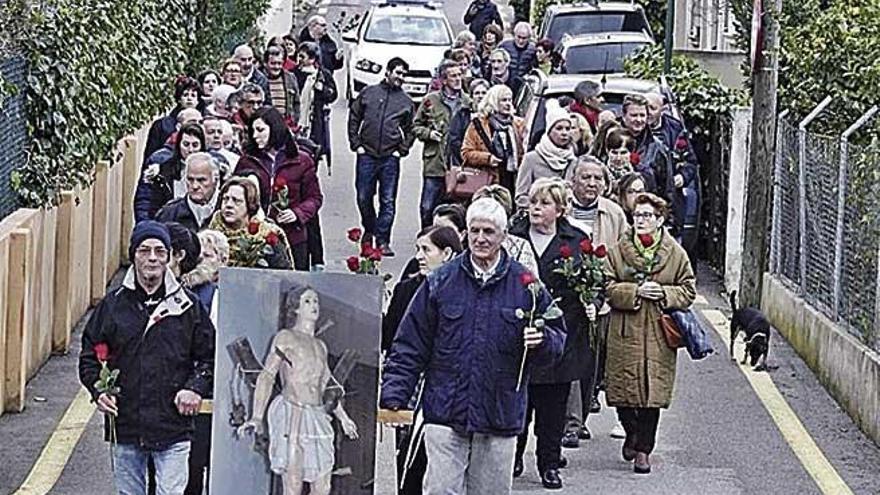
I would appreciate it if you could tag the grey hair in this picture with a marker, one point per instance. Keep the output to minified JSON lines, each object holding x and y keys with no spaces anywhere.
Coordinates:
{"x":464,"y":37}
{"x":203,"y":157}
{"x":222,"y":92}
{"x":218,"y":241}
{"x":315,"y":19}
{"x":445,"y":65}
{"x":503,"y":52}
{"x":521,"y":25}
{"x":252,"y":89}
{"x":240,"y":48}
{"x":487,"y":209}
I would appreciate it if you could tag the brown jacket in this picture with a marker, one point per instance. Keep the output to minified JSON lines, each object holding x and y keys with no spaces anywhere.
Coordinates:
{"x":474,"y":152}
{"x":640,"y":368}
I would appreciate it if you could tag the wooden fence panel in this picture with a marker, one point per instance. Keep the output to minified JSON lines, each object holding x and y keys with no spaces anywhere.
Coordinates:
{"x":42,"y":310}
{"x":4,"y":276}
{"x":131,"y":172}
{"x":17,"y":316}
{"x":81,"y":257}
{"x":114,"y":214}
{"x":99,"y":232}
{"x":62,"y":321}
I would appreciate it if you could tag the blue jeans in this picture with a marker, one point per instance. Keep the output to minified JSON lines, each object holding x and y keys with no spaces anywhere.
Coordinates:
{"x":384,"y":173}
{"x":433,"y":189}
{"x":172,"y":469}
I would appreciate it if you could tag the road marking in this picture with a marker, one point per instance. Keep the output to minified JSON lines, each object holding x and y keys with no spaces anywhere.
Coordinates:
{"x":46,"y":471}
{"x":798,"y":438}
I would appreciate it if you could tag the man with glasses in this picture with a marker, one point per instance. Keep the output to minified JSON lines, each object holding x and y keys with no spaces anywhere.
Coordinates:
{"x":521,"y":49}
{"x":252,"y":98}
{"x":159,"y":338}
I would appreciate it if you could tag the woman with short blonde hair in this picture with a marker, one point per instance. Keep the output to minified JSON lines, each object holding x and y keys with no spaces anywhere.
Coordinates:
{"x":494,"y":140}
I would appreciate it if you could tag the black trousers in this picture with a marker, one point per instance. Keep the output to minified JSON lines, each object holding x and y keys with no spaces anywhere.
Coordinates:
{"x":415,"y":475}
{"x":199,"y":456}
{"x":300,"y":256}
{"x":640,"y":424}
{"x":315,"y":240}
{"x":547,"y":402}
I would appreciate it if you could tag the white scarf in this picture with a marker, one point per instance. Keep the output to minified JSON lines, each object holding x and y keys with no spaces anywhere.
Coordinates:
{"x":203,"y":212}
{"x":306,"y":97}
{"x":555,"y":157}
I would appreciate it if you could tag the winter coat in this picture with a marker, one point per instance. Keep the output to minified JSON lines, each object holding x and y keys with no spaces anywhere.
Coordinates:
{"x":475,"y":153}
{"x":328,"y":50}
{"x":400,"y":298}
{"x":178,"y":210}
{"x":157,"y":354}
{"x":455,"y":137}
{"x":153,"y":192}
{"x":259,"y":78}
{"x":161,"y":129}
{"x":685,"y":200}
{"x":290,"y":111}
{"x":381,"y":120}
{"x":609,"y":226}
{"x":575,"y":360}
{"x":465,"y":337}
{"x":481,"y":13}
{"x":533,"y":168}
{"x":639,"y":367}
{"x":303,"y":190}
{"x":325,"y":96}
{"x":433,"y":114}
{"x":521,"y":59}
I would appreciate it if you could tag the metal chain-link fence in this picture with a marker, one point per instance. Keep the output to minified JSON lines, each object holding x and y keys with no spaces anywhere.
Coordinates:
{"x":13,"y":130}
{"x":825,"y":231}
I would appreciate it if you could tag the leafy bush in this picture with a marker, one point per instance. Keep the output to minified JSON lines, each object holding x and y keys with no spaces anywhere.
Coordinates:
{"x":100,"y":71}
{"x":701,"y":97}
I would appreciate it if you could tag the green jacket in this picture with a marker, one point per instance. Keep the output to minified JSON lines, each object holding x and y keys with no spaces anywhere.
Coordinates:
{"x":433,"y":114}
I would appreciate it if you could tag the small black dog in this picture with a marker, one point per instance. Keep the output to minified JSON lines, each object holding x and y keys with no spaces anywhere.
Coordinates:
{"x":756,"y":328}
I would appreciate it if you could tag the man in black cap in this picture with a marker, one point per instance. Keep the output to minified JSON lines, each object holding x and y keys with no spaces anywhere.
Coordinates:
{"x":161,"y":341}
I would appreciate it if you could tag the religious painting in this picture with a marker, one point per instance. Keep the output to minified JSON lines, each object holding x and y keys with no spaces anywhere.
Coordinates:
{"x":296,"y":383}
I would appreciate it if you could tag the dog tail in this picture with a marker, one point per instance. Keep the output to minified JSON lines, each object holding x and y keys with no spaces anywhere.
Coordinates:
{"x":732,"y":299}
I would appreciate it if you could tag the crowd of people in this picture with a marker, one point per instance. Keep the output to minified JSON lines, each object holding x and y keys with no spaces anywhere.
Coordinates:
{"x":487,"y":331}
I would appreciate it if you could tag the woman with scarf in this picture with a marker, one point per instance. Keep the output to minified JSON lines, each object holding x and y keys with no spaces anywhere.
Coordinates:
{"x":317,"y":90}
{"x":647,"y":273}
{"x":289,"y":190}
{"x":494,"y":138}
{"x":552,"y":157}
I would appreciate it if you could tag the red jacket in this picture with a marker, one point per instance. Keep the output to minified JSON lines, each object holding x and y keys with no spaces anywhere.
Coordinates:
{"x":300,"y":175}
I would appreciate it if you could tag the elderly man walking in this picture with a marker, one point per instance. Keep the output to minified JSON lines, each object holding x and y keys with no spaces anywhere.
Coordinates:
{"x":194,"y":210}
{"x":465,"y":330}
{"x":160,"y":339}
{"x":521,"y":49}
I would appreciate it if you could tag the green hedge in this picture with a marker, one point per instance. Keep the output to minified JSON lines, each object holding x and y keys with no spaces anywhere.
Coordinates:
{"x":100,"y":71}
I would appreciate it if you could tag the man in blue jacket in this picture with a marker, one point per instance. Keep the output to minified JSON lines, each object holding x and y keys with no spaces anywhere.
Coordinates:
{"x":465,"y":330}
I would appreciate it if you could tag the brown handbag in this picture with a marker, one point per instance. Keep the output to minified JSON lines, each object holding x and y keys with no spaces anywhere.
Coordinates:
{"x":671,"y":332}
{"x":463,"y":182}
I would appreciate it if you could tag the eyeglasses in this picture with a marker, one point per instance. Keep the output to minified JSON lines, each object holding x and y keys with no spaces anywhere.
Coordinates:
{"x":161,"y":252}
{"x":643,"y":216}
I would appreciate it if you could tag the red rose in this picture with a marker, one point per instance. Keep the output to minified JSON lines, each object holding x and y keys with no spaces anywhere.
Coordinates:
{"x":428,"y":104}
{"x":102,"y":352}
{"x":280,"y":184}
{"x":527,"y":279}
{"x":354,"y":264}
{"x":272,"y":239}
{"x":375,"y":255}
{"x":253,"y":228}
{"x":600,"y":251}
{"x":565,"y":251}
{"x":366,"y":250}
{"x":647,"y":240}
{"x":354,"y":234}
{"x":586,"y":246}
{"x":635,"y":158}
{"x":681,"y":144}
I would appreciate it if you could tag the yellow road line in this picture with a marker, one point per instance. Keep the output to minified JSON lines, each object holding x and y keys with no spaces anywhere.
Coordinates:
{"x":798,"y":438}
{"x":46,"y":471}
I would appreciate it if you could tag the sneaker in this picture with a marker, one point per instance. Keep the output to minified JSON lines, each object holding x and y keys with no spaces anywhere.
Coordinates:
{"x":618,"y":431}
{"x":386,"y":251}
{"x":317,"y":268}
{"x":570,"y":440}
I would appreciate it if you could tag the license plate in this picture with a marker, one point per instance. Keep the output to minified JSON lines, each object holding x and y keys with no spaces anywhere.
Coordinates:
{"x":414,"y":88}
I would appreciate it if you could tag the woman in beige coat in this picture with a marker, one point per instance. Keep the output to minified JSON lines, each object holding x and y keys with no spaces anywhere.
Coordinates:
{"x":647,"y":272}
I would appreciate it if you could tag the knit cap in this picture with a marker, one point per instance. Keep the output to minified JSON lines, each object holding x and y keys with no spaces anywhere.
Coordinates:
{"x":148,"y":229}
{"x":554,"y":113}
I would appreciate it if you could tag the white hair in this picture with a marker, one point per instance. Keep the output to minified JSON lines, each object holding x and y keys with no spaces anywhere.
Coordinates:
{"x":221,"y":93}
{"x":315,"y":19}
{"x":487,"y":209}
{"x":240,"y":50}
{"x":218,"y":241}
{"x":464,"y":37}
{"x":491,"y":103}
{"x":203,"y":157}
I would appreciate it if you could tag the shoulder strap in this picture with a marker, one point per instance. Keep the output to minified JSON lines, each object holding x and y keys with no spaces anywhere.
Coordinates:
{"x":482,"y":133}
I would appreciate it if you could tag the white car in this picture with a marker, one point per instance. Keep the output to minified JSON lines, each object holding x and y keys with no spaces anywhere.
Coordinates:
{"x":600,"y":53}
{"x":414,"y":30}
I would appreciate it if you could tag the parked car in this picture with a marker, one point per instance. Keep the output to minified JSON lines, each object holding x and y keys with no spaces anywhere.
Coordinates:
{"x":601,"y":53}
{"x":584,"y":18}
{"x":415,"y":30}
{"x":538,"y":88}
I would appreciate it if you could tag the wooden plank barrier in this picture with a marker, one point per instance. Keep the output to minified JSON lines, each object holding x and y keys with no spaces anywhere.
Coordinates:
{"x":4,"y":277}
{"x":130,"y":176}
{"x":114,"y":213}
{"x":62,"y":322}
{"x":41,"y":311}
{"x":81,"y":247}
{"x":17,"y":324}
{"x":100,"y":219}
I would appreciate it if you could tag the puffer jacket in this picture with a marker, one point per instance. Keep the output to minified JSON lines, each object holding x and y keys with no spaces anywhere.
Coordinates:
{"x":435,"y":115}
{"x":157,"y":355}
{"x":381,"y":120}
{"x":521,"y":59}
{"x":465,"y":336}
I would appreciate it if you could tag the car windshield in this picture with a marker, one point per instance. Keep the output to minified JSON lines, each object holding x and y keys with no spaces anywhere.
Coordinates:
{"x":585,"y":23}
{"x":599,"y":59}
{"x":408,"y":30}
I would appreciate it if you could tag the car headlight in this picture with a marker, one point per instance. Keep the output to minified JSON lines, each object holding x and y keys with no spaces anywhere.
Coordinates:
{"x":368,"y":66}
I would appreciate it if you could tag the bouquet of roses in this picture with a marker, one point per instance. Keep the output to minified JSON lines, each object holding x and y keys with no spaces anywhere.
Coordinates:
{"x":254,"y":249}
{"x":536,"y":319}
{"x":587,"y":279}
{"x":106,"y":384}
{"x":368,"y":259}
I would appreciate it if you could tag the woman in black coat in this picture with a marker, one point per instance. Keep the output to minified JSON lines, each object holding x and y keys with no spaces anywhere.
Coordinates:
{"x":552,"y":238}
{"x":317,"y":90}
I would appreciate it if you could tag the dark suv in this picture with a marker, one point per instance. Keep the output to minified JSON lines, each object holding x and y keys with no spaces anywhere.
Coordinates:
{"x":584,"y":18}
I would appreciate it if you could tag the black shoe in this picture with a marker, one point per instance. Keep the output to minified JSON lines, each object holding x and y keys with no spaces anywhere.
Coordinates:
{"x":627,"y":453}
{"x":641,"y":465}
{"x":551,"y":480}
{"x":386,"y":251}
{"x":594,"y":405}
{"x":563,"y":462}
{"x":584,"y":433}
{"x":570,"y":440}
{"x":518,"y":467}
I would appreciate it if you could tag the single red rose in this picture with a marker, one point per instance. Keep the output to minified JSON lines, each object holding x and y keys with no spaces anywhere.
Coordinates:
{"x":375,"y":255}
{"x":280,"y":184}
{"x":647,"y":240}
{"x":601,"y":251}
{"x":681,"y":144}
{"x":586,"y":246}
{"x":428,"y":104}
{"x":527,"y":279}
{"x":366,"y":250}
{"x":635,"y":158}
{"x":353,"y":263}
{"x":253,"y":228}
{"x":102,"y":352}
{"x":272,"y":239}
{"x":565,"y":251}
{"x":355,"y":234}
